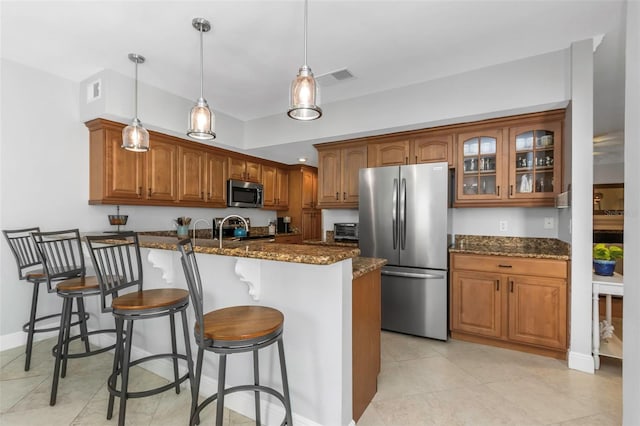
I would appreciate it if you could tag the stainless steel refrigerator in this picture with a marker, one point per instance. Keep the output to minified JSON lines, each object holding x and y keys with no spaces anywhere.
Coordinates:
{"x":403,"y":218}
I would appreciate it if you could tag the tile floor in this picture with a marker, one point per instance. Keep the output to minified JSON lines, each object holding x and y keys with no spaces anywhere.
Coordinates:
{"x":422,"y":382}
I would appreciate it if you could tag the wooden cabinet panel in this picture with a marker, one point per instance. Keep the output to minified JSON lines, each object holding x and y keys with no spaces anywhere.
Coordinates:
{"x":354,"y":158}
{"x":481,"y":167}
{"x":192,"y":174}
{"x":302,"y":198}
{"x":365,"y":340}
{"x":519,"y":303}
{"x":476,"y":305}
{"x":338,"y":175}
{"x":432,"y":149}
{"x":388,"y":153}
{"x":311,"y":224}
{"x":309,"y":189}
{"x":253,"y":171}
{"x":276,"y":187}
{"x":537,"y":311}
{"x":162,"y":162}
{"x":217,"y":176}
{"x":329,"y":177}
{"x":289,"y":239}
{"x":125,"y":170}
{"x":242,"y":169}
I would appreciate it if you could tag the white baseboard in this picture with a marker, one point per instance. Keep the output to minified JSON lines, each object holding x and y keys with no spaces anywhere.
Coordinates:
{"x":581,"y":362}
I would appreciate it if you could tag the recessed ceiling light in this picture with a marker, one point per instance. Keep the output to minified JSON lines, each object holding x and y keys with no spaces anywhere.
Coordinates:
{"x":302,"y":159}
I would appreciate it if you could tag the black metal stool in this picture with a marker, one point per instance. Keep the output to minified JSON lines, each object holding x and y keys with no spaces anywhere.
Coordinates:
{"x":116,"y":259}
{"x":63,"y":263}
{"x":30,"y":269}
{"x":232,"y":330}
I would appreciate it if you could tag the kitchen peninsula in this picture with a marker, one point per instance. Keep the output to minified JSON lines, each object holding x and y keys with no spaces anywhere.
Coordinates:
{"x":319,"y":291}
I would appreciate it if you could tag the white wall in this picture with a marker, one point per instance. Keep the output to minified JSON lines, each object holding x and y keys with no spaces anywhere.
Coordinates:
{"x":631,"y":314}
{"x":582,"y":201}
{"x":44,"y":175}
{"x":535,"y":83}
{"x":608,"y":173}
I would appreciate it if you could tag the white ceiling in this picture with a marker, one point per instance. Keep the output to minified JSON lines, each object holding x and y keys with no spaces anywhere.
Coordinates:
{"x":256,"y":47}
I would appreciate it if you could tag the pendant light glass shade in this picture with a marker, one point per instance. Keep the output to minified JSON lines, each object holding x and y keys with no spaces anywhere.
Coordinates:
{"x":134,"y":136}
{"x":304,"y":89}
{"x":201,"y":119}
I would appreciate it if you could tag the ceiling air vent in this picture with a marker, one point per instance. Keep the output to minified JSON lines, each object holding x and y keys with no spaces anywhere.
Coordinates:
{"x":334,"y":77}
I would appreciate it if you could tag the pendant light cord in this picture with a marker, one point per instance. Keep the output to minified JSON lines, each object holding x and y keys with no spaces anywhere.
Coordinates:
{"x":201,"y":65}
{"x":306,"y":5}
{"x":135,"y":97}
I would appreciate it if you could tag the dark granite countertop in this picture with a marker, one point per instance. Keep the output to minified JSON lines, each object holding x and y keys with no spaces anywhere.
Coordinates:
{"x":540,"y":248}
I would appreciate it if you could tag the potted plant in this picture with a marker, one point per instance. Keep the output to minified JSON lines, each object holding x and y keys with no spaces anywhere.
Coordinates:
{"x":604,"y":258}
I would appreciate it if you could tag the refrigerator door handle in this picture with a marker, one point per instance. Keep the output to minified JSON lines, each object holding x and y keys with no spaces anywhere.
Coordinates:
{"x":411,"y":275}
{"x":394,"y":213}
{"x":403,"y":214}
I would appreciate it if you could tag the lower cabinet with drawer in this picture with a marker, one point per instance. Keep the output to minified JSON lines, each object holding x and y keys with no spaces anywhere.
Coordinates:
{"x":517,"y":303}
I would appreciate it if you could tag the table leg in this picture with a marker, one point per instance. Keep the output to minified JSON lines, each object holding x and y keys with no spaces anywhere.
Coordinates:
{"x":608,"y":309}
{"x":596,"y":329}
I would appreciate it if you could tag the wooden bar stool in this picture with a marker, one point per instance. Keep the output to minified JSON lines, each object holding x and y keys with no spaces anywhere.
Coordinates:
{"x":29,"y":269}
{"x":63,"y":264}
{"x":117,"y":261}
{"x":232,"y":330}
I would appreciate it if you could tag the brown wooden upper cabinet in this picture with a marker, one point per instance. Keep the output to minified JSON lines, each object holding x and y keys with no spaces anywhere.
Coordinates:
{"x":411,"y":149}
{"x":243,"y":169}
{"x":202,"y":177}
{"x":118,"y":176}
{"x":517,"y":162}
{"x":276,"y":187}
{"x":338,"y":169}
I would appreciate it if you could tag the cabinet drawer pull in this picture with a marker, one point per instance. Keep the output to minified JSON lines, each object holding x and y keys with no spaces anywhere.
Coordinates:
{"x":510,"y":190}
{"x":149,"y":192}
{"x":498,"y":189}
{"x":416,"y":159}
{"x":406,"y":160}
{"x":344,"y":196}
{"x":504,"y":266}
{"x":337,"y":196}
{"x":497,"y":285}
{"x":202,"y":195}
{"x":139,"y":192}
{"x":511,"y":285}
{"x":208,"y":196}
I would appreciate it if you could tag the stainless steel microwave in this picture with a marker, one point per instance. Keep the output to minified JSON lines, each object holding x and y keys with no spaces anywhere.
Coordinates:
{"x":244,"y":194}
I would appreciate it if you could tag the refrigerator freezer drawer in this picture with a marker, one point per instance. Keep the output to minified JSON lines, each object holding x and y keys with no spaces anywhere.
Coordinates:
{"x":414,"y":301}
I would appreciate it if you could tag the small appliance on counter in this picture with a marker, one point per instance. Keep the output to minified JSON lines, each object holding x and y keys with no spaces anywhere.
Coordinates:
{"x":229,"y":227}
{"x":345,"y":232}
{"x":283,"y":224}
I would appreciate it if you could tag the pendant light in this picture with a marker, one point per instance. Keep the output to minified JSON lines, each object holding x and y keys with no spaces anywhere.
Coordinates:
{"x":304,"y":90}
{"x":134,"y":136}
{"x":201,"y":118}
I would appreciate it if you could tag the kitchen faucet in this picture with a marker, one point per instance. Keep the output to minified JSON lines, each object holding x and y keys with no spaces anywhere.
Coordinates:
{"x":246,"y":225}
{"x":195,"y":225}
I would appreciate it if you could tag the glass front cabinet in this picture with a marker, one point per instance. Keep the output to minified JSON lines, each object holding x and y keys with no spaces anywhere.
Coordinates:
{"x":516,"y":163}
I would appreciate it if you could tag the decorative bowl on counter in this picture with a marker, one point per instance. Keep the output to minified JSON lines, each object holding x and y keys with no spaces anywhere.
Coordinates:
{"x":118,"y":219}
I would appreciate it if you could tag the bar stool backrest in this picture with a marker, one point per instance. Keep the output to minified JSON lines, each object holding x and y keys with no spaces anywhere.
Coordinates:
{"x":117,"y":262}
{"x":23,"y":248}
{"x":61,"y":254}
{"x":192,"y":274}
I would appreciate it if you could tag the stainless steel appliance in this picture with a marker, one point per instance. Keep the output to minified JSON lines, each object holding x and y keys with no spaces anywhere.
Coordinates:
{"x":229,"y":227}
{"x":244,"y":194}
{"x":403,"y":218}
{"x":345,"y":232}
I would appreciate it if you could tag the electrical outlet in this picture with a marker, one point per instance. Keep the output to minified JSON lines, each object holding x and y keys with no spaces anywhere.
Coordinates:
{"x":548,"y":223}
{"x":503,"y":225}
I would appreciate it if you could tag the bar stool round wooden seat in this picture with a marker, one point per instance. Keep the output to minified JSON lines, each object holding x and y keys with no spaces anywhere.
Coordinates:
{"x":30,"y":269}
{"x":117,"y":262}
{"x":232,"y":330}
{"x":63,"y":264}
